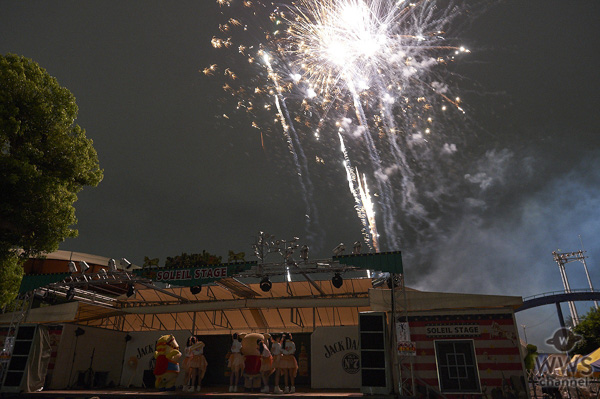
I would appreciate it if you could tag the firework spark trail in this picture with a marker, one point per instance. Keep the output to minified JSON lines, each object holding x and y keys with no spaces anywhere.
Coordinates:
{"x":357,"y":46}
{"x":383,"y":185}
{"x":312,"y":217}
{"x":408,"y":192}
{"x":365,"y":197}
{"x":362,"y":200}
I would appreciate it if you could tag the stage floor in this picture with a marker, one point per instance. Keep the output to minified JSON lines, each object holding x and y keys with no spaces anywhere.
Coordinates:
{"x":209,"y":391}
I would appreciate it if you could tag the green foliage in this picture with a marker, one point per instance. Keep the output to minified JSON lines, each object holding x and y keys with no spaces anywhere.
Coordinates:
{"x":45,"y":160}
{"x":532,"y":354}
{"x":589,"y":329}
{"x":193,"y":260}
{"x":11,"y":271}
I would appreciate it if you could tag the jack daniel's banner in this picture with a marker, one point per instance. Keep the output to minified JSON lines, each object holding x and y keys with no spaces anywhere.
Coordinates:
{"x":335,"y":357}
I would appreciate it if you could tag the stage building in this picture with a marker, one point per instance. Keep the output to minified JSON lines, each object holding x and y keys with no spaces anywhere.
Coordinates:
{"x":96,"y":326}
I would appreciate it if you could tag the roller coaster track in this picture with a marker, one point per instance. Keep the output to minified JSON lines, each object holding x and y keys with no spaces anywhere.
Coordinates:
{"x":556,"y":297}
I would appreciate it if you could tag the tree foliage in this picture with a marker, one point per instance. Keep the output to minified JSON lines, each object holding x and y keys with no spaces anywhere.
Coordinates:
{"x":589,"y":329}
{"x":45,"y":160}
{"x":11,"y":273}
{"x":193,"y":260}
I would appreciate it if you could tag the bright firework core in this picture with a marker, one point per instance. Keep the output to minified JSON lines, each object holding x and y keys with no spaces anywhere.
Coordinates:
{"x":352,"y":37}
{"x":357,"y":41}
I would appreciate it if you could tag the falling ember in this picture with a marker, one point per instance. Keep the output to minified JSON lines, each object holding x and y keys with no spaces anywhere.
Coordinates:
{"x":210,"y":70}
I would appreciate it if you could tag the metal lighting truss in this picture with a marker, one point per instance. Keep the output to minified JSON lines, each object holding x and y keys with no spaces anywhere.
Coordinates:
{"x":99,"y":288}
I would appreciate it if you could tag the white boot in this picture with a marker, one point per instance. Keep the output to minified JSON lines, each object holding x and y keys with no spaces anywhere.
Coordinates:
{"x":265,"y":389}
{"x":277,"y":389}
{"x":292,"y":389}
{"x":286,"y":390}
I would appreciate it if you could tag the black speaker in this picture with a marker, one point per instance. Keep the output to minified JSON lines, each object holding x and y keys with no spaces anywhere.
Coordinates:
{"x":374,"y":350}
{"x":18,"y":361}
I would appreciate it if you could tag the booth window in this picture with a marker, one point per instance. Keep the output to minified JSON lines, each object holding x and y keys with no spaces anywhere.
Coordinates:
{"x":457,"y":366}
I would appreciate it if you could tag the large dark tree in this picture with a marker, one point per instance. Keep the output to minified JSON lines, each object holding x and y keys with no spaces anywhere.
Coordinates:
{"x":589,"y":329}
{"x":45,"y":160}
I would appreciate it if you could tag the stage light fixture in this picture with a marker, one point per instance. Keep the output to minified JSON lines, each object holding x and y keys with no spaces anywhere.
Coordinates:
{"x":356,"y":248}
{"x":266,"y":284}
{"x":393,"y":281}
{"x":130,"y":291}
{"x":195,"y":290}
{"x":83,"y":266}
{"x":48,"y":298}
{"x":70,"y":294}
{"x":304,"y":253}
{"x":337,"y":280}
{"x":339,"y":250}
{"x":112,"y":265}
{"x":72,"y":267}
{"x":125,"y":264}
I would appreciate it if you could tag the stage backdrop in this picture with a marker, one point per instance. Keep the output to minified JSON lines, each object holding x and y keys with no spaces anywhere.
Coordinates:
{"x":335,"y":357}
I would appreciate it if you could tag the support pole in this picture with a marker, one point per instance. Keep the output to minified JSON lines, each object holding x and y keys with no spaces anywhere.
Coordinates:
{"x":396,"y":372}
{"x":561,"y":318}
{"x":412,"y":373}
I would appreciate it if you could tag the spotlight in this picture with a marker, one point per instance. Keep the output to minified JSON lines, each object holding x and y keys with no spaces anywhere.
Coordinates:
{"x":304,"y":252}
{"x":337,"y":280}
{"x":266,"y":284}
{"x":48,"y":298}
{"x":83,"y":266}
{"x":112,"y":265}
{"x":195,"y":290}
{"x":339,"y":250}
{"x":72,"y":267}
{"x":79,"y":331}
{"x":130,"y":291}
{"x":356,"y":247}
{"x":393,"y":281}
{"x":125,"y":264}
{"x":70,"y":294}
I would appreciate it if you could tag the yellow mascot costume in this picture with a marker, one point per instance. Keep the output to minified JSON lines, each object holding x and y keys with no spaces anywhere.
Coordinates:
{"x":251,"y":354}
{"x":167,"y":363}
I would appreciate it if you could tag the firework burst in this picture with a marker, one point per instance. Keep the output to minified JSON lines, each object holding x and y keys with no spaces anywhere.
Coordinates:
{"x":372,"y":71}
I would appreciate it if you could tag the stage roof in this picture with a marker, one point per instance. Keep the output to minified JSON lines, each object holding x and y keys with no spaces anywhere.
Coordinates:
{"x":221,"y":308}
{"x":302,"y":295}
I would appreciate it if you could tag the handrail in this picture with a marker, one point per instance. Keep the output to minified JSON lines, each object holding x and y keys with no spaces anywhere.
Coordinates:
{"x":551,"y":293}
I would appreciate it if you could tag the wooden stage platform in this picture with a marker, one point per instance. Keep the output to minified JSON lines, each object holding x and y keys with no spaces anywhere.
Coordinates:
{"x":212,"y":392}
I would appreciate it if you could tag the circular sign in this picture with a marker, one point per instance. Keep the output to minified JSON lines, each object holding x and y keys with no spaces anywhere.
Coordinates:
{"x":351,"y":363}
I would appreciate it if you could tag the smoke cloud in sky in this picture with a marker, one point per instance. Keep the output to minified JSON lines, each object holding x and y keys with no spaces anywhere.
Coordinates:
{"x":509,"y":252}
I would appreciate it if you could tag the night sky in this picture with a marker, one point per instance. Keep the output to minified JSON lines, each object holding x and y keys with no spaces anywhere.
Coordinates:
{"x":178,"y":177}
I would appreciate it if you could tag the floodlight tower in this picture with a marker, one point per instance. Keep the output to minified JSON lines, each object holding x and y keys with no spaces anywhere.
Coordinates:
{"x":562,"y":259}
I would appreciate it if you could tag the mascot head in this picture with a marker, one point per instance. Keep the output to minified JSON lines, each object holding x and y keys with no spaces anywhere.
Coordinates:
{"x":250,"y":344}
{"x":167,"y":346}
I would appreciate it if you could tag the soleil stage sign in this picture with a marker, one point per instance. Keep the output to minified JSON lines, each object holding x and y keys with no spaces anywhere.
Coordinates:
{"x":192,"y":276}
